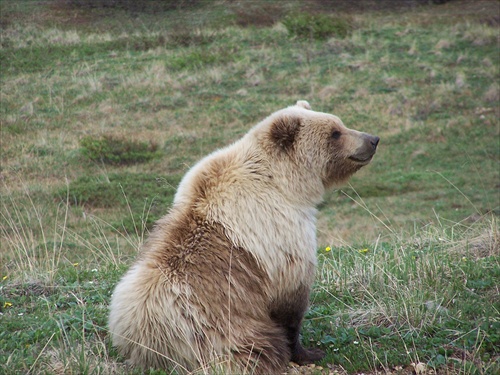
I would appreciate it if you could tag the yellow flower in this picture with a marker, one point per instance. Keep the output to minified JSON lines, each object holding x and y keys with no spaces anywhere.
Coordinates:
{"x":363,"y":251}
{"x":328,"y":248}
{"x":7,"y":304}
{"x":75,"y":264}
{"x":5,"y":277}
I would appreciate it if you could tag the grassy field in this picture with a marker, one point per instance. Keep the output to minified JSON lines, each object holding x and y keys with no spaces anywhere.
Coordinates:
{"x":103,"y":110}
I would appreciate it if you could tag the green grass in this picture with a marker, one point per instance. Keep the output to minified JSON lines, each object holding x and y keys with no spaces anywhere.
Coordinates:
{"x":103,"y":111}
{"x":430,"y":300}
{"x":320,"y":26}
{"x":112,"y":150}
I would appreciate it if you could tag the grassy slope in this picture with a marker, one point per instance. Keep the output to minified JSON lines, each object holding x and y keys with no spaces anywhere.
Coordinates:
{"x":425,"y":80}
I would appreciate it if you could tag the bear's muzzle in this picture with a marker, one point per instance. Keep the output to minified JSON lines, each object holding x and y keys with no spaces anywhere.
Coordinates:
{"x":366,"y":150}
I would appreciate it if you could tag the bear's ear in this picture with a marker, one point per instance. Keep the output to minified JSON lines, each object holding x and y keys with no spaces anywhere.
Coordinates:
{"x":304,"y":104}
{"x":284,"y":130}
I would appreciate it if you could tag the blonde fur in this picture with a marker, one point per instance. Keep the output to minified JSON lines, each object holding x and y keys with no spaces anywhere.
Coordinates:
{"x":224,"y":278}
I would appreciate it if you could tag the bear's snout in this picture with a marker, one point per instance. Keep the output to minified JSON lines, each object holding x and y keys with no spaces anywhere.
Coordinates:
{"x":366,"y":150}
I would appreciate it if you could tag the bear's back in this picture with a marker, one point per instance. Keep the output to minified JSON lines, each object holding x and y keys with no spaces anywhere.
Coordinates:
{"x":237,"y":188}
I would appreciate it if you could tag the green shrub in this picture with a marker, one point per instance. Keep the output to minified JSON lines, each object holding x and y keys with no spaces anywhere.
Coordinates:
{"x":112,"y":150}
{"x":317,"y":26}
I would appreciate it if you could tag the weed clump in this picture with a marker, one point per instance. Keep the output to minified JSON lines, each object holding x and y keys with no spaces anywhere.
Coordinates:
{"x":317,"y":26}
{"x":117,"y":151}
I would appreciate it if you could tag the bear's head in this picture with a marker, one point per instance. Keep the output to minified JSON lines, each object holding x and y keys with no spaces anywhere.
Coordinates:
{"x":316,"y":146}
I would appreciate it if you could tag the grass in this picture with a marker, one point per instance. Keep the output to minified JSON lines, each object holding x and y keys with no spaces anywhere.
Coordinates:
{"x":431,"y":297}
{"x":111,"y":150}
{"x":103,"y":111}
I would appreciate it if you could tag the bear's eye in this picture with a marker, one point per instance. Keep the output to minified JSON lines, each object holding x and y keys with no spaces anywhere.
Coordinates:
{"x":336,"y":134}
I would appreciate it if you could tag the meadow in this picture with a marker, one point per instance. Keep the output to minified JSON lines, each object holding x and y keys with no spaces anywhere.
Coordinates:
{"x":103,"y":109}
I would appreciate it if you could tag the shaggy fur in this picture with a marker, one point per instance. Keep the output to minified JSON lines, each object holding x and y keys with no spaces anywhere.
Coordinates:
{"x":224,"y":279}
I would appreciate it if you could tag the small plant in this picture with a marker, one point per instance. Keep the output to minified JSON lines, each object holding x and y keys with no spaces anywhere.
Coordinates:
{"x":316,"y":26}
{"x":111,"y":150}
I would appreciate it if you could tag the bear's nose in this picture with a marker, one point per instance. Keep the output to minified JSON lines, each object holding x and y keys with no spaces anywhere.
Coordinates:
{"x":374,"y":141}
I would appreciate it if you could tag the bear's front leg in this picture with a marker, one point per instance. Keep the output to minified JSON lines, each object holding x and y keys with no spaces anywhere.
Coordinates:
{"x":288,"y":313}
{"x":301,"y":355}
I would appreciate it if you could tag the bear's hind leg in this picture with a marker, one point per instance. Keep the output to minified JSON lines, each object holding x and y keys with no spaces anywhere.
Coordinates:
{"x":264,"y":350}
{"x":289,"y":314}
{"x":300,"y":355}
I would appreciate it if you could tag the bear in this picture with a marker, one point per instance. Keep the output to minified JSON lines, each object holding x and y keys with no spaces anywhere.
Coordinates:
{"x":223,"y":280}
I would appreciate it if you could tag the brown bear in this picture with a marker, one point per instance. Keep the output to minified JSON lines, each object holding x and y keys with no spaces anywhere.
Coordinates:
{"x":223,"y":281}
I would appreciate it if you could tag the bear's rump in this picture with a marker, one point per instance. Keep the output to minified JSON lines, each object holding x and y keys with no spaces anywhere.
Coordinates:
{"x":197,"y":302}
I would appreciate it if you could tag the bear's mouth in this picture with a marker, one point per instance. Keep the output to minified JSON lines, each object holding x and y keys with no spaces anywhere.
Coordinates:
{"x":361,"y":159}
